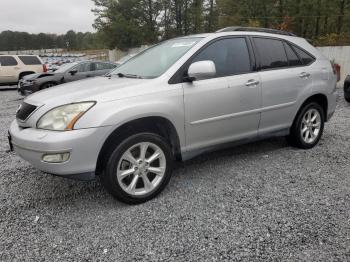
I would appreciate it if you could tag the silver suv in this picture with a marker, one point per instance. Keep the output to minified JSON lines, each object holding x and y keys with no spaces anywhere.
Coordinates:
{"x":174,"y":101}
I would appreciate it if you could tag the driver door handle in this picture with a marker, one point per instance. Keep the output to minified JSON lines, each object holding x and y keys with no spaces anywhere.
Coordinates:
{"x":252,"y":83}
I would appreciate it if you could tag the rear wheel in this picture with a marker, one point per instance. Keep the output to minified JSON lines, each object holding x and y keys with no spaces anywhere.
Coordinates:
{"x":347,"y":99}
{"x":308,"y":126}
{"x":139,"y":168}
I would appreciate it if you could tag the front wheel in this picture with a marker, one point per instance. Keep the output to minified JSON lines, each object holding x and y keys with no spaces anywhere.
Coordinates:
{"x":307,"y":128}
{"x":139,"y":168}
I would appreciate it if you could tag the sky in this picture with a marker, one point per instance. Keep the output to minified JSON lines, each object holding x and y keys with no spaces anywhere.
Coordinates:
{"x":46,"y":16}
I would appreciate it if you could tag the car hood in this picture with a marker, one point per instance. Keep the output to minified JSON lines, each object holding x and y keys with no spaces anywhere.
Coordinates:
{"x":36,"y":76}
{"x":99,"y":89}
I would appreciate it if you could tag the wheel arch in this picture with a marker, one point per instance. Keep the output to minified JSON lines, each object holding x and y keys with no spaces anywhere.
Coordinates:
{"x":24,"y":73}
{"x":47,"y":82}
{"x":319,"y":98}
{"x":153,"y":124}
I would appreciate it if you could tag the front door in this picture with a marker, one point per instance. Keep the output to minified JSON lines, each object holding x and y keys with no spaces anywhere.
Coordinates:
{"x":225,"y":107}
{"x":83,"y":70}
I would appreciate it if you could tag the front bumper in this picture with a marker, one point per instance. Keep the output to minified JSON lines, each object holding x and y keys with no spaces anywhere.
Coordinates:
{"x":83,"y":145}
{"x":26,"y":88}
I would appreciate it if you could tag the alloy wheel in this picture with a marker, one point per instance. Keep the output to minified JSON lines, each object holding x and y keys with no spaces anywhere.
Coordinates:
{"x":141,"y":168}
{"x":310,"y":126}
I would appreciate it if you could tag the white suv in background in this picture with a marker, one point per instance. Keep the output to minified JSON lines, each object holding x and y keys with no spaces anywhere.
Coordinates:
{"x":14,"y":67}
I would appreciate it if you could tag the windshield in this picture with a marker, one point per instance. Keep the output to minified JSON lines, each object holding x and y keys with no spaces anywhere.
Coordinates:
{"x":154,"y":61}
{"x":125,"y":59}
{"x":65,"y":67}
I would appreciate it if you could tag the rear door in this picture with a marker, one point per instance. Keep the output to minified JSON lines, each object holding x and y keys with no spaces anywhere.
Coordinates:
{"x":9,"y":69}
{"x":283,"y":78}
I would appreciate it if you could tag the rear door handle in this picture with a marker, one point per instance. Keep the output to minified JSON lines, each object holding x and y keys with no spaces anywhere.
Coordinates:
{"x":252,"y":83}
{"x":304,"y":75}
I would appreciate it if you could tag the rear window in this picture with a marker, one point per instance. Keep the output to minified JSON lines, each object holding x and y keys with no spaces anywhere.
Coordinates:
{"x":30,"y":60}
{"x":7,"y":61}
{"x":271,"y":52}
{"x":305,"y":57}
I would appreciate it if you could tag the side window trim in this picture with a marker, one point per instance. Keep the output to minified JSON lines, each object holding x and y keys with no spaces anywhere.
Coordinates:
{"x":293,"y":46}
{"x":286,"y":43}
{"x":177,"y":78}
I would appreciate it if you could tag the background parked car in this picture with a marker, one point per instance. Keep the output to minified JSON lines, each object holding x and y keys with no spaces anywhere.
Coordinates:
{"x":13,"y":67}
{"x":66,"y":73}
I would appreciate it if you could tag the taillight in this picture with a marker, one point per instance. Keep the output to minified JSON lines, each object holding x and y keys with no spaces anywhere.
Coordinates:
{"x":336,"y":71}
{"x":44,"y":68}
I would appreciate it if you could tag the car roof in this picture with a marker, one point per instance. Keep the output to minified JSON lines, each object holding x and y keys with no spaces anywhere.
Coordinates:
{"x":17,"y":55}
{"x":236,"y":30}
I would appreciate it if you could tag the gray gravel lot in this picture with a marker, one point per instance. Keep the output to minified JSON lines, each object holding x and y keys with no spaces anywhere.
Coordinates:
{"x":264,"y":201}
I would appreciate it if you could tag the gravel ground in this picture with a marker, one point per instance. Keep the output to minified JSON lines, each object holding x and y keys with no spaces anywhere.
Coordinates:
{"x":264,"y":201}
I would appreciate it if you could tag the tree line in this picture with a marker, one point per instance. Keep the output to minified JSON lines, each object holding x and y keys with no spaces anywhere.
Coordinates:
{"x":10,"y":41}
{"x":129,"y":23}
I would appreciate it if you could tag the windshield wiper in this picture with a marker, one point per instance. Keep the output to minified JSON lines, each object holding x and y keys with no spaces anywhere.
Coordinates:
{"x":129,"y":76}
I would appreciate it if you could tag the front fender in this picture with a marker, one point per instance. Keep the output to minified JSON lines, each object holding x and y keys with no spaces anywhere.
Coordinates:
{"x":168,"y":105}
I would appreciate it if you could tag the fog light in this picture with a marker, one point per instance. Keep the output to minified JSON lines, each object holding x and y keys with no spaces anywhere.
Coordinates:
{"x":56,"y":158}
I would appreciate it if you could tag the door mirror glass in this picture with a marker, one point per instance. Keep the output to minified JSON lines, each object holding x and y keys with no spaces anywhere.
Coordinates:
{"x":201,"y":70}
{"x":73,"y":72}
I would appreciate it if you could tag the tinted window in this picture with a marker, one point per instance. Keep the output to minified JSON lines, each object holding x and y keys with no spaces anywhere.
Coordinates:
{"x":84,"y":67}
{"x":30,"y":60}
{"x":305,"y":57}
{"x":7,"y":61}
{"x":230,"y":56}
{"x":292,"y":57}
{"x":272,"y":54}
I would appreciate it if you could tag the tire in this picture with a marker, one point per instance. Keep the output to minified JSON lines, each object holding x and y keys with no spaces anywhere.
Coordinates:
{"x":47,"y":85}
{"x":347,"y":99}
{"x":131,"y":187}
{"x":314,"y":129}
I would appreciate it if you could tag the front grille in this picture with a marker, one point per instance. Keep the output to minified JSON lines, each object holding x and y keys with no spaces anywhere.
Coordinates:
{"x":24,"y":111}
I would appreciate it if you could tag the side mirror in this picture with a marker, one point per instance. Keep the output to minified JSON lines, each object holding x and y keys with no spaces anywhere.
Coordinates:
{"x":201,"y":70}
{"x":73,"y":72}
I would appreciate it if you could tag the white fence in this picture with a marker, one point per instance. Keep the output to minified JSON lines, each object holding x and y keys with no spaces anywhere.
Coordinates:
{"x":341,"y":56}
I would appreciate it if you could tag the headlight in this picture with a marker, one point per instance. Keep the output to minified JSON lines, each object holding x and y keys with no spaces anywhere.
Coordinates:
{"x":64,"y":117}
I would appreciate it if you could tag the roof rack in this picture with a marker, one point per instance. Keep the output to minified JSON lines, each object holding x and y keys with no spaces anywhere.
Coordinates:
{"x":255,"y":29}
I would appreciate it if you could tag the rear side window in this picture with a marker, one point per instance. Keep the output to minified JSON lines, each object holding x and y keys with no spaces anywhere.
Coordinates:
{"x":230,"y":56}
{"x":84,"y":67}
{"x":103,"y":66}
{"x":30,"y":60}
{"x":7,"y":61}
{"x":305,"y":57}
{"x":271,"y":53}
{"x":293,"y":59}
